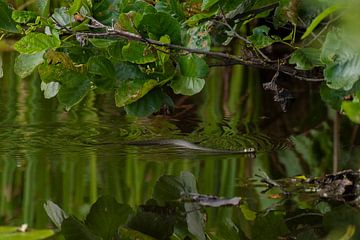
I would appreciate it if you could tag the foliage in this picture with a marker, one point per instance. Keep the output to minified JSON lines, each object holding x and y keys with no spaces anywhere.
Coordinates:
{"x":167,"y":44}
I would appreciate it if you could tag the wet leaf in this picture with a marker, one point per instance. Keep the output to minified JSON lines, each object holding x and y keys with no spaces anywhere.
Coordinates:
{"x":6,"y":22}
{"x":11,"y":233}
{"x":25,"y":64}
{"x":160,"y":24}
{"x":73,"y":229}
{"x":150,"y":103}
{"x":137,"y":52}
{"x":102,"y":66}
{"x":187,"y":85}
{"x":260,"y":37}
{"x":106,"y":216}
{"x":130,"y":91}
{"x":50,"y":89}
{"x":306,"y":58}
{"x":23,"y":16}
{"x":36,"y":42}
{"x":55,"y":213}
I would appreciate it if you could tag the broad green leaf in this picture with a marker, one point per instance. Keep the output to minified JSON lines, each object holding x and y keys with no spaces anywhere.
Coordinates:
{"x":106,"y":11}
{"x":206,"y":4}
{"x":187,"y":85}
{"x":193,"y":66}
{"x":23,"y":16}
{"x":247,"y":212}
{"x":306,"y":58}
{"x":61,"y":16}
{"x":76,"y":87}
{"x":100,"y":65}
{"x":73,"y":229}
{"x":11,"y":233}
{"x":150,"y":103}
{"x":128,"y":71}
{"x":50,"y":89}
{"x":195,"y":19}
{"x":36,"y":42}
{"x":128,"y":234}
{"x":343,"y":73}
{"x":160,"y":24}
{"x":264,"y":226}
{"x":106,"y":216}
{"x":352,"y":110}
{"x":6,"y":22}
{"x":318,"y":19}
{"x":137,"y":52}
{"x":42,"y":7}
{"x":130,"y":91}
{"x":153,"y":220}
{"x":75,"y":7}
{"x":102,"y":43}
{"x":168,"y":188}
{"x":332,"y":97}
{"x":26,"y":63}
{"x":55,"y":213}
{"x":260,"y":37}
{"x":331,"y":47}
{"x":129,"y":21}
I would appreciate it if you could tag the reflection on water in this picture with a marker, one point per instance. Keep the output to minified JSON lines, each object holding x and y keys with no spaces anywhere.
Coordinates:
{"x":74,"y":157}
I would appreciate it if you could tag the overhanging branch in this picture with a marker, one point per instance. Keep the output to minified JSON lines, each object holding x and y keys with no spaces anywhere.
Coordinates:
{"x":229,"y":58}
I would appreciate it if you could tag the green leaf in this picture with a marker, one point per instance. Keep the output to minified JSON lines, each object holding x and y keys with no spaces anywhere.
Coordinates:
{"x":100,"y":65}
{"x":1,"y":67}
{"x":198,"y":37}
{"x":73,"y":229}
{"x":206,"y":4}
{"x":129,"y":21}
{"x":154,"y":220}
{"x":195,"y":19}
{"x":55,"y":213}
{"x":75,"y":7}
{"x":42,"y":7}
{"x":160,"y":24}
{"x":193,"y":66}
{"x":332,"y":97}
{"x":106,"y":11}
{"x":264,"y":226}
{"x":50,"y":89}
{"x":150,"y":103}
{"x":106,"y":216}
{"x":137,"y":52}
{"x":61,"y":16}
{"x":187,"y":85}
{"x":11,"y":233}
{"x":25,"y":64}
{"x":36,"y":42}
{"x":130,"y":234}
{"x":260,"y":37}
{"x":352,"y":110}
{"x":102,"y":43}
{"x":318,"y":19}
{"x":306,"y":58}
{"x":23,"y":16}
{"x":130,"y":91}
{"x":6,"y":22}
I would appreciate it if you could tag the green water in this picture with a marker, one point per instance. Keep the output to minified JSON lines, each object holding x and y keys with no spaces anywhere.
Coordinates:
{"x":74,"y":157}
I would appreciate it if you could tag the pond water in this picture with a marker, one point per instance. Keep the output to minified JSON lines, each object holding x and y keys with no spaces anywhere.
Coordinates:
{"x":74,"y":157}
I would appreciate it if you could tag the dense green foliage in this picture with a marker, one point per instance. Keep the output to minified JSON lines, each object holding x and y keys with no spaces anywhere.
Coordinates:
{"x":139,"y":50}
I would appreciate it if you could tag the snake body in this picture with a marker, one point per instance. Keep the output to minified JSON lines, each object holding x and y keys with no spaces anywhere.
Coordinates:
{"x":189,"y":145}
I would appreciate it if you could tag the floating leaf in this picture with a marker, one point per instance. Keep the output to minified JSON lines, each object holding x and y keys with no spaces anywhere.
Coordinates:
{"x":260,"y":37}
{"x":36,"y":42}
{"x":137,"y":52}
{"x":11,"y":233}
{"x":106,"y":216}
{"x":306,"y":58}
{"x":6,"y":22}
{"x":130,"y":91}
{"x":50,"y":89}
{"x":160,"y":24}
{"x":187,"y":85}
{"x":26,"y":63}
{"x":150,"y":103}
{"x":55,"y":213}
